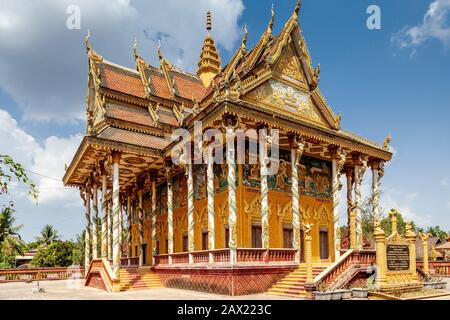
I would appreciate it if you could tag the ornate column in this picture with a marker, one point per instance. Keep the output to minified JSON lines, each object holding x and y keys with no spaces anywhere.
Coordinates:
{"x":424,"y":237}
{"x":264,"y":146}
{"x":210,"y":194}
{"x":308,"y":253}
{"x":104,"y":212}
{"x":351,"y":225}
{"x":360,"y":164}
{"x":116,"y":212}
{"x":95,"y":218}
{"x":129,"y":224}
{"x":377,"y":173}
{"x":86,"y":196}
{"x":153,"y":175}
{"x":140,"y":186}
{"x":170,"y":211}
{"x":297,"y":147}
{"x":230,"y":124}
{"x":338,"y":157}
{"x":190,"y":209}
{"x":381,"y":261}
{"x":110,"y":230}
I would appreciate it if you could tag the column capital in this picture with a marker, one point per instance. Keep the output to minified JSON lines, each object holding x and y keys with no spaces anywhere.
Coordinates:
{"x":153,"y":174}
{"x":374,"y":163}
{"x":115,"y":156}
{"x":348,"y":170}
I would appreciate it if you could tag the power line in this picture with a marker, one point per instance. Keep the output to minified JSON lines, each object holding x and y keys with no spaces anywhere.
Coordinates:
{"x":43,"y":175}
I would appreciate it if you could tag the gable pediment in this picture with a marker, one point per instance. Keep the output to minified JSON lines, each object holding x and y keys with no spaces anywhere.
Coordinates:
{"x":289,"y":68}
{"x":286,"y":99}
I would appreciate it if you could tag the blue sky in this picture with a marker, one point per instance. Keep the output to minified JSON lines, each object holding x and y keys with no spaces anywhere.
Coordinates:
{"x":393,"y":80}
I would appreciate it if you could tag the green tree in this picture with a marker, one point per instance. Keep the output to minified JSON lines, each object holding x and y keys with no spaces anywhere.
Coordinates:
{"x":438,"y":232}
{"x":11,"y":243}
{"x":48,"y":235}
{"x":56,"y":254}
{"x":9,"y":169}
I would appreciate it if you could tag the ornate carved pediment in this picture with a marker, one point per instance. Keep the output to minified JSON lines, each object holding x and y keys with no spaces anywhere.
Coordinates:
{"x":322,"y":214}
{"x":289,"y":66}
{"x":288,"y":100}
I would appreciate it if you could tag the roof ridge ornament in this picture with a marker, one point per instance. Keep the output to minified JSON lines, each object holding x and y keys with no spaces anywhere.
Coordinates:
{"x":271,"y":21}
{"x":88,"y":44}
{"x":135,"y":48}
{"x":297,"y":9}
{"x":244,"y":39}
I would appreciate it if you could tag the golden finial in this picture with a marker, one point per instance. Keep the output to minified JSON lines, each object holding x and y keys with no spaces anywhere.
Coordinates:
{"x":297,"y":8}
{"x":208,"y":22}
{"x":88,"y":44}
{"x":272,"y":19}
{"x":338,"y":119}
{"x":386,"y":142}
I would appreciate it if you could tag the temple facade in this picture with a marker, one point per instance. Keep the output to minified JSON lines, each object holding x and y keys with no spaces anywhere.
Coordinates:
{"x":233,"y":171}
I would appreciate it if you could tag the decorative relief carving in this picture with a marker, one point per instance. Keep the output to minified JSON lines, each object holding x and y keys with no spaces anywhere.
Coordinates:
{"x":286,"y":98}
{"x":289,"y":66}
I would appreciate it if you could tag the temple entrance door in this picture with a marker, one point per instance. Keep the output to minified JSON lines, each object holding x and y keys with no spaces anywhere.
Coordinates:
{"x":144,"y":253}
{"x":324,"y":247}
{"x":302,"y":246}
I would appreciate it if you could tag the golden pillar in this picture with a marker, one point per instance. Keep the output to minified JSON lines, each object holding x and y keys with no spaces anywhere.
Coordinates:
{"x":381,"y":260}
{"x":411,"y":236}
{"x":393,"y":216}
{"x":308,"y":253}
{"x":424,"y":237}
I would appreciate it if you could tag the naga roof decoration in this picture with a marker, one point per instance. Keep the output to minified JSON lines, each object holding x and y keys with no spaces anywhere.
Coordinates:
{"x":135,"y":110}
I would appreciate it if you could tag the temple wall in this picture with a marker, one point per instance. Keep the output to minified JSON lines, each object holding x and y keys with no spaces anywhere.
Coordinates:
{"x":315,"y":205}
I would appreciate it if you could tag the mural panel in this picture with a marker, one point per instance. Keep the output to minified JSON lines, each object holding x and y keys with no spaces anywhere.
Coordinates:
{"x":314,"y":176}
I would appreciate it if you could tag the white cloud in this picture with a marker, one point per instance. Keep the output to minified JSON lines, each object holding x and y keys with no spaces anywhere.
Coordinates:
{"x":435,"y":25}
{"x":445,"y":182}
{"x":47,"y":159}
{"x":57,"y":205}
{"x":404,"y":202}
{"x":43,"y":64}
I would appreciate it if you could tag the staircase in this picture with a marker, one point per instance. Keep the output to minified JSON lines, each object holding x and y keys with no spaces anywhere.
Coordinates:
{"x":294,"y":283}
{"x":138,"y":278}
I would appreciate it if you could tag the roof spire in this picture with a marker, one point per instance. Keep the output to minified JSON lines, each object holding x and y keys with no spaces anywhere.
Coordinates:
{"x":208,"y":22}
{"x":272,"y":19}
{"x":297,"y":8}
{"x":209,"y":64}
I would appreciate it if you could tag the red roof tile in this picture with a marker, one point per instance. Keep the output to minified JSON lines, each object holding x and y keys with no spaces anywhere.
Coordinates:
{"x":134,"y":138}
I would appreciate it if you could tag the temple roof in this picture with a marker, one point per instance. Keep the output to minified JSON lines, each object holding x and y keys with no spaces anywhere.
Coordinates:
{"x":134,"y":111}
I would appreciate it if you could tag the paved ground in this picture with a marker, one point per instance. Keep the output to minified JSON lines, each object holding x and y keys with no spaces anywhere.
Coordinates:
{"x":75,"y":290}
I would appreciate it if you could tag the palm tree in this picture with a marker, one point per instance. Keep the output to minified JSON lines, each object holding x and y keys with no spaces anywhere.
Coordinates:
{"x":48,"y":235}
{"x":10,"y":241}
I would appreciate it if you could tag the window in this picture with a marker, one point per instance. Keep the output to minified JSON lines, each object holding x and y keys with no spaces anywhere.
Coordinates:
{"x":302,"y":246}
{"x":167,"y":245}
{"x":323,"y":238}
{"x":185,"y":243}
{"x":157,"y":247}
{"x":136,"y":251}
{"x":256,"y":237}
{"x":288,"y":237}
{"x":227,"y":237}
{"x":205,"y":240}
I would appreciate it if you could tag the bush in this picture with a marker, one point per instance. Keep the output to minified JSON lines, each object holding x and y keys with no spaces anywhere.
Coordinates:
{"x":57,"y":254}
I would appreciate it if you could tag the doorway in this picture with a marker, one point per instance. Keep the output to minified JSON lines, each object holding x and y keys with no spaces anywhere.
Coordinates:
{"x":324,"y":246}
